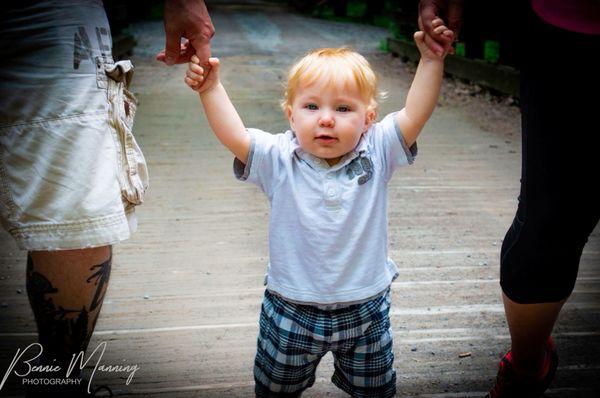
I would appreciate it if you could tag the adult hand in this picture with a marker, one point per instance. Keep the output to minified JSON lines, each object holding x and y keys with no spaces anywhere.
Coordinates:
{"x":187,"y":19}
{"x":450,"y":11}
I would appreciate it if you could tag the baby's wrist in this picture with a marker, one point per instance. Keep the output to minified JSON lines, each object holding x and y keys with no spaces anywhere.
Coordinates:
{"x":432,"y":60}
{"x":210,"y":89}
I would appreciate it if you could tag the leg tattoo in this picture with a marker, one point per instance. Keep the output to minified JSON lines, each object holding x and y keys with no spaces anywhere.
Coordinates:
{"x":101,"y":279}
{"x":66,"y":331}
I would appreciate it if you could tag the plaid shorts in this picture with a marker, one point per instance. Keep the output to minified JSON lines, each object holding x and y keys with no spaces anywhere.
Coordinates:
{"x":293,"y":338}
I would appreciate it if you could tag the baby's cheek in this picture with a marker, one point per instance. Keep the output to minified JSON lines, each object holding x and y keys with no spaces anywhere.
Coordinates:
{"x":301,"y":136}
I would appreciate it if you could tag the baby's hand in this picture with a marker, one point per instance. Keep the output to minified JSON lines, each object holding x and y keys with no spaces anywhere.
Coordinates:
{"x":202,"y":79}
{"x":440,"y":29}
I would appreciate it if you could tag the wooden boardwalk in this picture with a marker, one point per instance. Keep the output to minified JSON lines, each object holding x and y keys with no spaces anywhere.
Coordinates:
{"x":185,"y":292}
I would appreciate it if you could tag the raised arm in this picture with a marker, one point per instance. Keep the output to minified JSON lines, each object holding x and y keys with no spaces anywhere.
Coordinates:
{"x":424,"y":90}
{"x":220,"y":112}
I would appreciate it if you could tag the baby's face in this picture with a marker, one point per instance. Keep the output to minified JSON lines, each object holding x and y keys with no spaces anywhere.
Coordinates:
{"x":329,"y":119}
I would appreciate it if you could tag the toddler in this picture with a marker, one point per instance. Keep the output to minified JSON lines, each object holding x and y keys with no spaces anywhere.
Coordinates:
{"x":328,"y":278}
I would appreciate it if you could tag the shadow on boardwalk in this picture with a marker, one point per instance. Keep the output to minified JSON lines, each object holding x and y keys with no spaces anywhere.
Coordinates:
{"x":185,"y":292}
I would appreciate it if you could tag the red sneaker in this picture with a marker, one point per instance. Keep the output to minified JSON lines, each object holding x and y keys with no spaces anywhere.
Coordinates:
{"x":508,"y":386}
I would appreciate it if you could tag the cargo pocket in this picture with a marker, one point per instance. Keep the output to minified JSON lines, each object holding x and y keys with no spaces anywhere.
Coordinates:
{"x":132,"y":171}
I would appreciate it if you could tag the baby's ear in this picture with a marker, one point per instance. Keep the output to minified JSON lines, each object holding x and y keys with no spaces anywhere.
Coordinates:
{"x":288,"y":113}
{"x":370,"y":117}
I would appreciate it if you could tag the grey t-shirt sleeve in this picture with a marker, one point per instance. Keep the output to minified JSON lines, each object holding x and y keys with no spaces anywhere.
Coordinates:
{"x":388,"y":142}
{"x":264,"y":161}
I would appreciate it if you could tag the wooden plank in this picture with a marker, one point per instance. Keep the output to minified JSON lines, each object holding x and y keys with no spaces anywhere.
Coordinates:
{"x":201,"y":249}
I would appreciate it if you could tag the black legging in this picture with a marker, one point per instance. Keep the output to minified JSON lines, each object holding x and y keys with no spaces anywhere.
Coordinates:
{"x":559,"y":203}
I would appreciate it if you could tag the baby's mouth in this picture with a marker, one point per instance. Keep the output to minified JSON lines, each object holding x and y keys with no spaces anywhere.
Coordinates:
{"x":325,"y":138}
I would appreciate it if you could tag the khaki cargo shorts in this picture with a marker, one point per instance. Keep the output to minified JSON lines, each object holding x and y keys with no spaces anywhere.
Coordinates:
{"x":71,"y":171}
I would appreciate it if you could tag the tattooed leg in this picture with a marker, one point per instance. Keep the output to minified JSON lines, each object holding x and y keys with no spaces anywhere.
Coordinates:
{"x":66,"y":289}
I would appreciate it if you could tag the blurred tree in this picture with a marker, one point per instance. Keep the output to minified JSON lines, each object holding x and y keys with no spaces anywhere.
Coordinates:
{"x":304,"y":6}
{"x":339,"y":7}
{"x":374,"y":7}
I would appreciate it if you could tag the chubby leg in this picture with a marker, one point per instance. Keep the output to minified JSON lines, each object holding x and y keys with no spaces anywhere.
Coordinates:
{"x":289,"y":348}
{"x":364,"y":364}
{"x":66,"y":289}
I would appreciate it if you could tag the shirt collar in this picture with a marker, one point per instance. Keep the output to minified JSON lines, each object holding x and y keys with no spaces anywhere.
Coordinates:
{"x":321,"y":164}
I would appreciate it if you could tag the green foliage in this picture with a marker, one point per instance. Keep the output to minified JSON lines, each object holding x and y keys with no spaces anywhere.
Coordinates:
{"x":491,"y":51}
{"x":355,"y":12}
{"x":383,"y":46}
{"x":395,"y":30}
{"x":356,"y":9}
{"x":383,"y":21}
{"x":156,"y":11}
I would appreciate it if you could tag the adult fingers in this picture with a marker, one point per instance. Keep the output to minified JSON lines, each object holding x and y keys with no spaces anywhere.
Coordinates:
{"x":172,"y":47}
{"x":428,"y":11}
{"x":455,"y":10}
{"x":202,"y":49}
{"x":185,"y":53}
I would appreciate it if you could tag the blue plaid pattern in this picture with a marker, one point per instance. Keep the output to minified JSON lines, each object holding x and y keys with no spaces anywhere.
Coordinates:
{"x":293,"y":338}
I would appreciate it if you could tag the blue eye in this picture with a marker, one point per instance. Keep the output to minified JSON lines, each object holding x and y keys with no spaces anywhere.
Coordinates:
{"x":311,"y":107}
{"x":343,"y":108}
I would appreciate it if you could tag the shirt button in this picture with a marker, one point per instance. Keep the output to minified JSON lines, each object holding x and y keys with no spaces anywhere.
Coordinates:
{"x":329,"y":176}
{"x":331,"y":193}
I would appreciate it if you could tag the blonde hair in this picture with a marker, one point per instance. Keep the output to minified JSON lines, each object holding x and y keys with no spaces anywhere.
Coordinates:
{"x":333,"y":65}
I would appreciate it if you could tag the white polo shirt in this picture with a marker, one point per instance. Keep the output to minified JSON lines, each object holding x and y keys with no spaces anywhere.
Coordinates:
{"x":328,"y":225}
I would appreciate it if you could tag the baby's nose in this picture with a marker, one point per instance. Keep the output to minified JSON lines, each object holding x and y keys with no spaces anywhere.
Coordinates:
{"x":326,"y":120}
